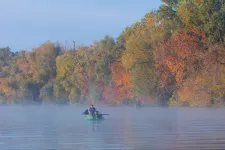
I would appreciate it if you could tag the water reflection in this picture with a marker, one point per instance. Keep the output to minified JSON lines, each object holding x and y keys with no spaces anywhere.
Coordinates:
{"x":96,"y":125}
{"x":126,"y":128}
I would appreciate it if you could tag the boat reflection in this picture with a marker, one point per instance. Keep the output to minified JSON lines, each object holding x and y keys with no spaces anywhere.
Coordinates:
{"x":95,"y":125}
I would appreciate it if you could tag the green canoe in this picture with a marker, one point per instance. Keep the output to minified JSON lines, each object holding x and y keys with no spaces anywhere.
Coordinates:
{"x":94,"y":117}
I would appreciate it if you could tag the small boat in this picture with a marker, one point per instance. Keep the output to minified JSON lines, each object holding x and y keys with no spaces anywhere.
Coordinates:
{"x":94,"y":117}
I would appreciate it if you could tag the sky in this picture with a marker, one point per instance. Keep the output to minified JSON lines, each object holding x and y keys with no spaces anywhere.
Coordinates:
{"x":26,"y":24}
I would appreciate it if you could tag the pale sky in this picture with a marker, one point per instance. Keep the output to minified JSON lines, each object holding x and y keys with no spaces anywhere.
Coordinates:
{"x":25,"y":24}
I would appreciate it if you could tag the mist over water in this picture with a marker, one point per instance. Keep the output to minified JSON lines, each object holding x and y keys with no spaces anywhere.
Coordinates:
{"x":64,"y":128}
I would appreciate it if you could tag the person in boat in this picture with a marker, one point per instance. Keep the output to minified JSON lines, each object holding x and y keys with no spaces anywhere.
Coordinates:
{"x":91,"y":109}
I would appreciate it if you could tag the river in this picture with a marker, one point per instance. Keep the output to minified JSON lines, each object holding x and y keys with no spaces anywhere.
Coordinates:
{"x":64,"y":128}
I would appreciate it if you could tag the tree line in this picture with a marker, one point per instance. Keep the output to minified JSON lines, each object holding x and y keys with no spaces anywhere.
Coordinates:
{"x":174,"y":55}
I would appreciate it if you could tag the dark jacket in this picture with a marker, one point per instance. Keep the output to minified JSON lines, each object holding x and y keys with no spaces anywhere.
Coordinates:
{"x":92,"y":110}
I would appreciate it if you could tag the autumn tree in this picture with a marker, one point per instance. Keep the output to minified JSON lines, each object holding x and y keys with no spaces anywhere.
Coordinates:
{"x":183,"y":54}
{"x":45,"y":60}
{"x":206,"y":15}
{"x":139,"y":54}
{"x":5,"y":55}
{"x":121,"y":78}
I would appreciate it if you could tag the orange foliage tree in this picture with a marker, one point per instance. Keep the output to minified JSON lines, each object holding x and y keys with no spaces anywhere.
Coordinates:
{"x":181,"y":55}
{"x":109,"y":92}
{"x":193,"y":93}
{"x":121,"y":78}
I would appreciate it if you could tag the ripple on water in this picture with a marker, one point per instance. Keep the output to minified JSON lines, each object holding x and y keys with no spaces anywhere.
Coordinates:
{"x":52,"y":128}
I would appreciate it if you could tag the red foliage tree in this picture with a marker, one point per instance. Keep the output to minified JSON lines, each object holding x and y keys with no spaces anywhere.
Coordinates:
{"x":121,"y":78}
{"x":181,"y":55}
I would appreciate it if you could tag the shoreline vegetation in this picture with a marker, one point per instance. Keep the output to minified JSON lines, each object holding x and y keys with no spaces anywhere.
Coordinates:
{"x":74,"y":105}
{"x":174,"y":56}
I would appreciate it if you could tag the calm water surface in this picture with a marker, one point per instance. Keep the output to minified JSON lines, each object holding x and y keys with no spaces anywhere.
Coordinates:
{"x":64,"y":128}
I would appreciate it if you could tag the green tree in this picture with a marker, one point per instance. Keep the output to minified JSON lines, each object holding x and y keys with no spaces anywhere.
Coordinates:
{"x":5,"y":55}
{"x":207,"y":15}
